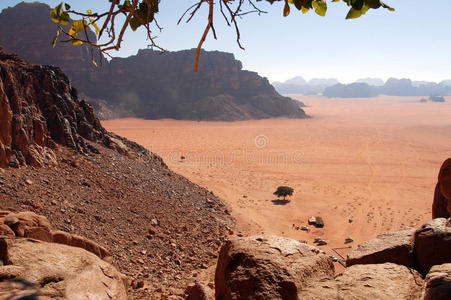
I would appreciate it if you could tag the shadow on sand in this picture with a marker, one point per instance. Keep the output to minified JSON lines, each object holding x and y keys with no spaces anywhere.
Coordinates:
{"x":280,"y":202}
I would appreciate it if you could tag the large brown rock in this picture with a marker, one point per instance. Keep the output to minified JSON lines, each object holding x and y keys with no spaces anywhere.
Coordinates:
{"x":378,"y":281}
{"x":438,"y":283}
{"x":268,"y":267}
{"x":433,"y":244}
{"x":199,"y":291}
{"x":30,"y":225}
{"x":392,"y":246}
{"x":441,"y":206}
{"x":60,"y":271}
{"x":40,"y":109}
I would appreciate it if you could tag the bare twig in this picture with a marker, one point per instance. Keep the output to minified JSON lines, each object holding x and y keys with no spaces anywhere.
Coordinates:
{"x":210,"y":23}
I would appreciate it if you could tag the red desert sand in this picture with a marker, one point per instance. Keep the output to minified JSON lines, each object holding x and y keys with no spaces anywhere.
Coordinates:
{"x":364,"y":165}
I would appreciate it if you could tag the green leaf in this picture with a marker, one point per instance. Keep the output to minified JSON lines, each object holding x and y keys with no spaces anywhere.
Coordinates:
{"x":77,"y":26}
{"x":320,"y":7}
{"x":286,"y":9}
{"x":135,"y":23}
{"x":357,"y":4}
{"x":76,"y":42}
{"x":297,"y":4}
{"x":59,"y":16}
{"x":375,"y":4}
{"x":66,"y":6}
{"x":126,"y":5}
{"x":353,"y":13}
{"x":364,"y":9}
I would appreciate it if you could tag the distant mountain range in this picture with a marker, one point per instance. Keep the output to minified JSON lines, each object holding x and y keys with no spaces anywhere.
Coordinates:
{"x":365,"y":87}
{"x":151,"y":84}
{"x":299,"y":85}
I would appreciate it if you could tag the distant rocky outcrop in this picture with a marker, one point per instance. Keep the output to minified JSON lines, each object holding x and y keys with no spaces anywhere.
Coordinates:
{"x":365,"y":88}
{"x":150,"y":84}
{"x":298,"y":85}
{"x":353,"y":90}
{"x":392,"y":87}
{"x":163,"y":85}
{"x":371,"y":81}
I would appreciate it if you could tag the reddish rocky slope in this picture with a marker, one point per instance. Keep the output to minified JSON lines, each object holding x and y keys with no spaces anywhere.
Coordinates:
{"x":159,"y":228}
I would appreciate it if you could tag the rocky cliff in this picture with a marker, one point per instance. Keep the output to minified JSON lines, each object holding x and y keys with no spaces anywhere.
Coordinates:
{"x":152,"y":84}
{"x":57,"y":160}
{"x":39,"y":110}
{"x":163,"y":85}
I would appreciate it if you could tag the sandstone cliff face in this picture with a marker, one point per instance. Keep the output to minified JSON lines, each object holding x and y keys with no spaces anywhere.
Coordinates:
{"x":154,"y":85}
{"x":40,"y":109}
{"x":27,"y":30}
{"x":163,"y":85}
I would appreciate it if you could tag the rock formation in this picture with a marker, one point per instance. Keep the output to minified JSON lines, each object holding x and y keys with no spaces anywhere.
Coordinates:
{"x":353,"y":90}
{"x":199,"y":291}
{"x":433,"y":244}
{"x":268,"y":267}
{"x":150,"y":84}
{"x":163,"y":85}
{"x":438,"y":283}
{"x":54,"y":271}
{"x":374,"y":281}
{"x":40,"y":111}
{"x":52,"y":263}
{"x":30,"y":225}
{"x":388,"y":267}
{"x":159,"y":227}
{"x":441,"y":206}
{"x":392,"y":246}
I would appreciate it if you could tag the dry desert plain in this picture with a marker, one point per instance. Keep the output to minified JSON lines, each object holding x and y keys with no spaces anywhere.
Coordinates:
{"x":373,"y":161}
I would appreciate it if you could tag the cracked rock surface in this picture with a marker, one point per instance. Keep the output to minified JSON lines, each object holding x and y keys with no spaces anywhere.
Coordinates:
{"x":268,"y":267}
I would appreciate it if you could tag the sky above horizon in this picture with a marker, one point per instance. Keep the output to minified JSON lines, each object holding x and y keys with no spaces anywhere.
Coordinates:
{"x":412,"y":42}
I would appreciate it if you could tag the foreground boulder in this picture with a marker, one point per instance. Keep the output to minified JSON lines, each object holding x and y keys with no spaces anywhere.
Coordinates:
{"x":433,"y":244}
{"x":199,"y":291}
{"x":374,"y":281}
{"x":393,"y":246}
{"x":441,"y":207}
{"x":30,"y":225}
{"x":60,"y":271}
{"x":438,"y":283}
{"x":268,"y":267}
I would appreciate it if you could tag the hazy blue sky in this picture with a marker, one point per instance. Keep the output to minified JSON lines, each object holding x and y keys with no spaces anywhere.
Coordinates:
{"x":414,"y":41}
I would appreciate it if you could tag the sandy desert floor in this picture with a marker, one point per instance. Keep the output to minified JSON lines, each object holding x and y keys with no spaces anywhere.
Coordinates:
{"x":373,"y":161}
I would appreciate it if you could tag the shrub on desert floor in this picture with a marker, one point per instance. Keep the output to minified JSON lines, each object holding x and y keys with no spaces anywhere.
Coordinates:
{"x":284,"y":191}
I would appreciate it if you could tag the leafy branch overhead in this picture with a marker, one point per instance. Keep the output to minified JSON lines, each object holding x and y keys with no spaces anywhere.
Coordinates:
{"x":135,"y":14}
